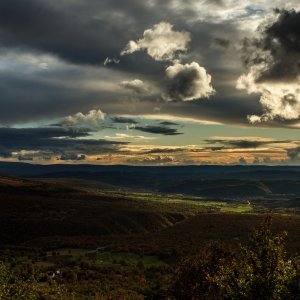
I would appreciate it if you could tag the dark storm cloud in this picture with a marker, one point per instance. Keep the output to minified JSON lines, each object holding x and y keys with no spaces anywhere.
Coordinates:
{"x":29,"y":134}
{"x":168,"y":123}
{"x":124,"y":120}
{"x":80,"y":32}
{"x":86,"y":33}
{"x":277,"y":48}
{"x":51,"y":140}
{"x":71,"y":30}
{"x":188,"y":82}
{"x":226,"y":107}
{"x":91,"y":31}
{"x":27,"y":98}
{"x":241,"y":143}
{"x":273,"y":62}
{"x":30,"y":98}
{"x":165,"y":150}
{"x":72,"y":156}
{"x":158,"y":130}
{"x":220,"y":42}
{"x":215,"y":148}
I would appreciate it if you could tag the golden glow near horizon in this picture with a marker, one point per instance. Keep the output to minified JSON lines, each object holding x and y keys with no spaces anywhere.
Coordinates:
{"x":177,"y":155}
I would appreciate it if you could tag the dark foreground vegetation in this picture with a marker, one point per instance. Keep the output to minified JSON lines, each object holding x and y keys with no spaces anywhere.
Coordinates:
{"x":259,"y":269}
{"x":62,"y":242}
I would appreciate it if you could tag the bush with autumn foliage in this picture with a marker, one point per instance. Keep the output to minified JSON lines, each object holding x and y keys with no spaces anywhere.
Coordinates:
{"x":259,"y":270}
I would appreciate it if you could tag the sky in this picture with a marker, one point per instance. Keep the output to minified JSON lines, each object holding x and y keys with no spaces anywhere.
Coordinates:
{"x":150,"y":82}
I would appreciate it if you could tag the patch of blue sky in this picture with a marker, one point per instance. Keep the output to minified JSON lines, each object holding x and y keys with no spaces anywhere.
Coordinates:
{"x":196,"y":134}
{"x":254,"y":10}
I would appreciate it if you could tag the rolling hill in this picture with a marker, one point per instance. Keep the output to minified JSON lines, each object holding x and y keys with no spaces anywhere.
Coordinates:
{"x":31,"y":209}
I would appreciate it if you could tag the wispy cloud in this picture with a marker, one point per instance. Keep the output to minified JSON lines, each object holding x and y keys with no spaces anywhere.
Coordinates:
{"x":128,"y":137}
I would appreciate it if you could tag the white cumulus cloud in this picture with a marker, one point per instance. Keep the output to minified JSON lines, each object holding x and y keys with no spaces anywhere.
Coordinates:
{"x":93,"y":119}
{"x":279,"y":100}
{"x":161,"y":42}
{"x":188,"y":82}
{"x":135,"y":85}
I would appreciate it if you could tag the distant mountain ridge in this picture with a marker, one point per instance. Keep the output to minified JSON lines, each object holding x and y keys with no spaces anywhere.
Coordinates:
{"x":19,"y":168}
{"x":206,"y":180}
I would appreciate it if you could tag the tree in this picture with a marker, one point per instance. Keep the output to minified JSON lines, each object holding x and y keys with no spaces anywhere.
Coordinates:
{"x":191,"y":279}
{"x":260,"y":270}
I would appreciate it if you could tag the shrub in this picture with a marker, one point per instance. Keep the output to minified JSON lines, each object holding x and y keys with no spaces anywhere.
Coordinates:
{"x":15,"y":287}
{"x":25,"y":287}
{"x":260,"y":270}
{"x":191,"y":279}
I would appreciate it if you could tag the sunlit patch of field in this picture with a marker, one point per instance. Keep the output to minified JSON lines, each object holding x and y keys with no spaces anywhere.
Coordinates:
{"x":181,"y":201}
